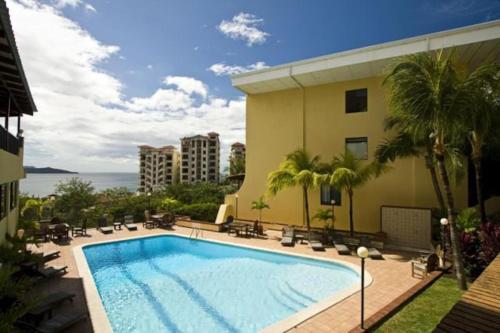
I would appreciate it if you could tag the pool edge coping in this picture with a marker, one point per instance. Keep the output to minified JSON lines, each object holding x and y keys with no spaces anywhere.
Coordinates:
{"x":100,"y":321}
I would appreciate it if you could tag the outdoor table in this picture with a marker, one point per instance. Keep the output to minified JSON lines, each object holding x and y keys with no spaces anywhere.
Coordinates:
{"x":117,"y":225}
{"x":300,"y":238}
{"x":157,"y":218}
{"x":240,"y":228}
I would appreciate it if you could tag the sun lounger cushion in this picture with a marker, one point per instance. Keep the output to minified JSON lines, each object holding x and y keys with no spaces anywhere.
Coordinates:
{"x":342,"y":249}
{"x":317,"y":246}
{"x":51,"y":271}
{"x":106,"y":230}
{"x":374,"y":253}
{"x":287,"y":241}
{"x":131,"y":226}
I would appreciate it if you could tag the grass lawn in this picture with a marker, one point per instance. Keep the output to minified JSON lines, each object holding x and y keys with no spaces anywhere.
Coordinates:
{"x":426,"y":310}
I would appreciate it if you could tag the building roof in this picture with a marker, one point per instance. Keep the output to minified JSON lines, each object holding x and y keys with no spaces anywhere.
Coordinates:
{"x":473,"y":43}
{"x":237,"y":144}
{"x":199,"y":136}
{"x":13,"y":81}
{"x":168,"y":148}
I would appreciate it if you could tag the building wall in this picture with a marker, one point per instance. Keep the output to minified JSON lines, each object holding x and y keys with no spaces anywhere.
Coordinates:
{"x":155,"y":174}
{"x":200,"y":155}
{"x":283,"y":121}
{"x":11,"y":169}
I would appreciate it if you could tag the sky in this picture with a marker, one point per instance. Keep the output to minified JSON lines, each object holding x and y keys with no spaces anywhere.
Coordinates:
{"x":110,"y":75}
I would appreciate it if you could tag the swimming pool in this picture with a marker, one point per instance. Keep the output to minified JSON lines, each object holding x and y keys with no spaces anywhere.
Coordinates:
{"x":175,"y":284}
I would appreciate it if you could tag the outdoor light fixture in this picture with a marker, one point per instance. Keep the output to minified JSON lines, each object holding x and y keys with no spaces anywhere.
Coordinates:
{"x":363,"y":254}
{"x":444,"y":223}
{"x":333,"y":215}
{"x":20,"y":233}
{"x":236,"y":197}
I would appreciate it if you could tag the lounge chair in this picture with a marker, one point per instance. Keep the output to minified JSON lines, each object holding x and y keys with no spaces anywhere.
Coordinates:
{"x":61,"y":231}
{"x":420,"y":268}
{"x":288,"y":237}
{"x":227,"y":225}
{"x":167,"y":221}
{"x":341,"y":248}
{"x":47,"y":304}
{"x":43,"y":232}
{"x":316,"y":245}
{"x":58,"y":323}
{"x":373,"y":253}
{"x":148,"y":221}
{"x":32,"y":269}
{"x":48,"y":256}
{"x":79,"y":231}
{"x":128,"y":220}
{"x":103,"y":225}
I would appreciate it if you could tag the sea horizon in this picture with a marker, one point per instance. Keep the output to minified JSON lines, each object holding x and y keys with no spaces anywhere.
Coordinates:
{"x":43,"y":184}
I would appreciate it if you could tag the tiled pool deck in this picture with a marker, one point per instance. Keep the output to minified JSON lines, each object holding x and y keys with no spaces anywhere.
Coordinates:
{"x":391,"y":277}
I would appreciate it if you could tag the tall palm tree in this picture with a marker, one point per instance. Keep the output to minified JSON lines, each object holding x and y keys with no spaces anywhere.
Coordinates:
{"x":481,"y":102}
{"x":259,"y":205}
{"x":298,"y":169}
{"x":424,"y":87}
{"x":348,"y":173}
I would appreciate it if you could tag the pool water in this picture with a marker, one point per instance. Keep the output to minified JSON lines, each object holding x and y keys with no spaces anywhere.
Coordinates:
{"x":176,"y":284}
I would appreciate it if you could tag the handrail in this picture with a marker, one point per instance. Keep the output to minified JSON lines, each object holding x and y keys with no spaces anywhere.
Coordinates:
{"x":9,"y":142}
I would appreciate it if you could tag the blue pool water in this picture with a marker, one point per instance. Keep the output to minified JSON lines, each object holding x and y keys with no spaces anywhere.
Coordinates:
{"x":175,"y":284}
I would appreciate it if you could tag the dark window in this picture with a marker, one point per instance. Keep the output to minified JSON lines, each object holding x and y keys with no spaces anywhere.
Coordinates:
{"x":329,"y":193}
{"x":169,"y":158}
{"x":212,"y":143}
{"x":13,"y":194}
{"x":358,"y":147}
{"x":185,"y":157}
{"x":185,"y":150}
{"x":3,"y":201}
{"x":356,"y":100}
{"x":185,"y":177}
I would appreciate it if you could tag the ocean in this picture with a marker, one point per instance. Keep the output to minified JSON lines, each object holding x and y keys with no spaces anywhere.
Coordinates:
{"x":43,"y":184}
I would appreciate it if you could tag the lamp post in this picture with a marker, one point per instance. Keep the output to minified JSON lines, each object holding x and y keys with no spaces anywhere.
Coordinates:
{"x":444,"y":223}
{"x":333,"y":202}
{"x":149,"y":201}
{"x":363,"y":254}
{"x":236,"y":197}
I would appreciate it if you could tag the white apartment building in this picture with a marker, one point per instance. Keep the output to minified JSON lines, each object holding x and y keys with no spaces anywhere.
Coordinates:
{"x":158,"y":167}
{"x":200,"y":158}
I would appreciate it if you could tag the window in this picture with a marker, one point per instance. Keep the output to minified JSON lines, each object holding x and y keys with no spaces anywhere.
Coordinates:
{"x":3,"y":201}
{"x":356,"y":100}
{"x":329,"y":193}
{"x":358,"y":147}
{"x":13,"y":194}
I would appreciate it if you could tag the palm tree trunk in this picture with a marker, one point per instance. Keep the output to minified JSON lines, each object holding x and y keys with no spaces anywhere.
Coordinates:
{"x":351,"y":220}
{"x":454,"y":237}
{"x":479,"y":188}
{"x":306,"y":203}
{"x":432,"y":170}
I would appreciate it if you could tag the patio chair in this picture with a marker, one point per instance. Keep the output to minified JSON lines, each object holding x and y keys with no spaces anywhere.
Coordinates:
{"x":128,"y":220}
{"x":43,"y":232}
{"x":103,"y":225}
{"x":288,"y":237}
{"x":316,"y":244}
{"x":33,"y":270}
{"x":227,"y":225}
{"x":58,"y":323}
{"x":254,"y":229}
{"x":421,"y":268}
{"x":48,"y":256}
{"x":79,"y":230}
{"x":167,"y":221}
{"x":373,"y":253}
{"x":148,"y":221}
{"x":341,"y":248}
{"x":61,"y":231}
{"x":47,"y":304}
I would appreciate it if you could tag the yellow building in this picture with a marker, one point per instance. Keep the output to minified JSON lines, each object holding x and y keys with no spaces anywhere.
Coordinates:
{"x":332,"y":102}
{"x":15,"y":102}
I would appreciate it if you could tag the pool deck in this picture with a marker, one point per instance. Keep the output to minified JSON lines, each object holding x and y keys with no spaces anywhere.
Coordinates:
{"x":391,"y":277}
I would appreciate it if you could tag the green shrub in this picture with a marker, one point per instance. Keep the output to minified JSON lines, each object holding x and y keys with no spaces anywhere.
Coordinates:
{"x":200,"y":211}
{"x":468,"y":220}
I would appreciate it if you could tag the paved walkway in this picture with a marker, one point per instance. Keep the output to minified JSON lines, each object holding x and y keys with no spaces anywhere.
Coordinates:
{"x":392,"y":276}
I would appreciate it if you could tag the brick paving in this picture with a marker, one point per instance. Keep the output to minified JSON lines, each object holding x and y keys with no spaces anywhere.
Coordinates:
{"x":391,"y":277}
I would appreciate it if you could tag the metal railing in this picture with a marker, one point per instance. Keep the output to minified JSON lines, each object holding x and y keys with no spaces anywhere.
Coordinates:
{"x":9,"y":142}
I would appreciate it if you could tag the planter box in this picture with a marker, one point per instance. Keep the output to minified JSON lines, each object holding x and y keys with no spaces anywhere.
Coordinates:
{"x":204,"y":225}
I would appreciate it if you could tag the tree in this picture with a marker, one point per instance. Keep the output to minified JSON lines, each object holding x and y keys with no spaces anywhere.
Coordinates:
{"x":260,"y":204}
{"x":324,"y":215}
{"x":74,"y":196}
{"x":298,"y":169}
{"x":480,"y":101}
{"x":348,"y":173}
{"x":236,"y":165}
{"x":424,"y":87}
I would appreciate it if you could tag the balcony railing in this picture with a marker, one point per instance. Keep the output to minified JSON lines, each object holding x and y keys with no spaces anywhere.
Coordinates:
{"x":9,"y":142}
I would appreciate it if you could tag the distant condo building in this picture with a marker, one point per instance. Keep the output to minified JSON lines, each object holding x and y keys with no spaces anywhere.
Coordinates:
{"x":158,"y":167}
{"x":200,"y":158}
{"x":238,"y":151}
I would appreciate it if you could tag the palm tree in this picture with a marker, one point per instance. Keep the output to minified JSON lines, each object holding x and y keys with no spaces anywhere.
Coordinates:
{"x":481,"y":102}
{"x":324,"y":215}
{"x":348,"y":173}
{"x":260,"y":204}
{"x":424,"y":87}
{"x":298,"y":169}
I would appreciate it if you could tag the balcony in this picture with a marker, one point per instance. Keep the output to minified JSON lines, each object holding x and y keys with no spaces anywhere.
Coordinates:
{"x":9,"y":142}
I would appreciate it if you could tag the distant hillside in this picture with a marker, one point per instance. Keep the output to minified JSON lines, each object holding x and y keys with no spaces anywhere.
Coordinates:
{"x":32,"y":169}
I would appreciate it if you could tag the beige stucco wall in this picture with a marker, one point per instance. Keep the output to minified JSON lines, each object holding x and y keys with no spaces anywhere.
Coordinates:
{"x":11,"y":169}
{"x":276,"y":125}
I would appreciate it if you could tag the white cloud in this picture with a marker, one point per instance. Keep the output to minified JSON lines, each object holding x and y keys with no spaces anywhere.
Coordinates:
{"x":245,"y":27}
{"x":85,"y":122}
{"x":221,"y":69}
{"x":73,"y":4}
{"x":90,"y":8}
{"x":150,"y":66}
